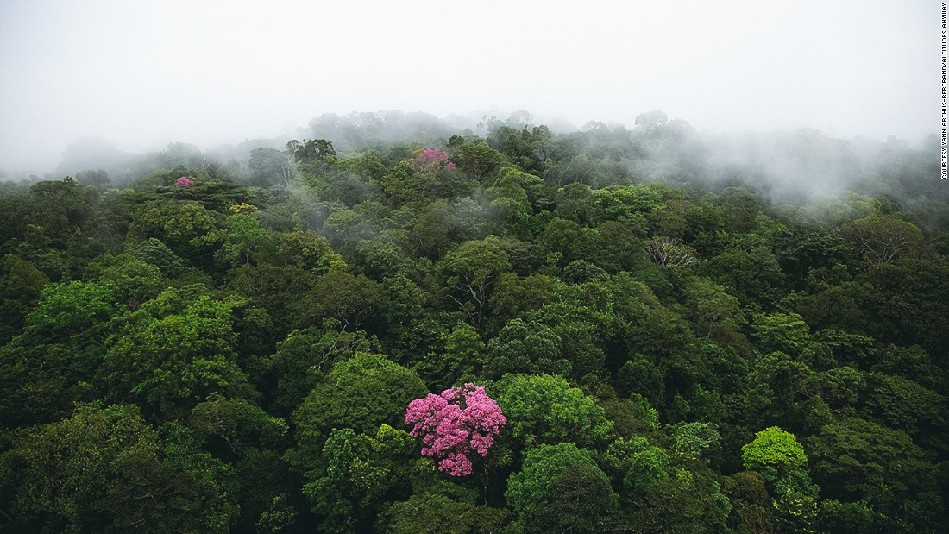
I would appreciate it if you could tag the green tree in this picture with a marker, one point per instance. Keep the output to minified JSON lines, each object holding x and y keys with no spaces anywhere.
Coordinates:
{"x":105,"y":469}
{"x":359,"y":394}
{"x":154,"y":252}
{"x":173,"y":352}
{"x":515,"y":195}
{"x":640,"y":376}
{"x":905,"y":301}
{"x":545,"y":409}
{"x":528,"y":147}
{"x":637,"y":464}
{"x":780,"y":458}
{"x":459,"y":361}
{"x":712,"y":312}
{"x":753,"y":276}
{"x":740,"y":208}
{"x":782,"y":332}
{"x":658,"y":496}
{"x":442,"y":510}
{"x":802,"y":248}
{"x":313,"y":150}
{"x":477,"y":159}
{"x":304,"y":358}
{"x":559,"y":488}
{"x":20,"y":286}
{"x":241,"y":241}
{"x":903,"y":404}
{"x":470,"y":271}
{"x":61,"y":207}
{"x":774,"y":452}
{"x":278,"y":289}
{"x":525,"y":347}
{"x":360,"y":473}
{"x":749,"y":497}
{"x":349,"y":299}
{"x":184,"y":226}
{"x":854,"y":459}
{"x":630,"y":204}
{"x":269,"y":166}
{"x":514,"y":297}
{"x":577,"y":203}
{"x":233,"y":428}
{"x":130,"y":279}
{"x":883,"y":239}
{"x":51,"y":363}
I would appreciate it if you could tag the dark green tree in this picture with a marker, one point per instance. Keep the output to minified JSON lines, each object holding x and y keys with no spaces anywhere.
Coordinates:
{"x":105,"y":469}
{"x":559,"y":488}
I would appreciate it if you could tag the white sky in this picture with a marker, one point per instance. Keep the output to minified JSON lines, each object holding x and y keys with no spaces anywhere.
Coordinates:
{"x":145,"y":73}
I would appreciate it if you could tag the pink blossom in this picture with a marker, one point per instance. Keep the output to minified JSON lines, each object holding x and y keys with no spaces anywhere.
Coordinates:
{"x":184,"y":181}
{"x":455,"y":423}
{"x":431,"y":159}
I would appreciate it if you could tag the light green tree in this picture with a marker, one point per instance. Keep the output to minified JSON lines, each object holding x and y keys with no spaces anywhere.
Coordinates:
{"x":545,"y":409}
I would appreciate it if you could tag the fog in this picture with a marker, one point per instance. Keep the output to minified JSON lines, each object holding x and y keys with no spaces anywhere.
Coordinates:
{"x":135,"y":76}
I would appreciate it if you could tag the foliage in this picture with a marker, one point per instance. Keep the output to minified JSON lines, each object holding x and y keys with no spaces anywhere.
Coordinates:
{"x":20,"y":286}
{"x":525,"y":347}
{"x":52,"y":362}
{"x":774,"y":452}
{"x":304,"y":358}
{"x":189,"y":344}
{"x":172,"y":352}
{"x":545,"y":409}
{"x":560,"y":486}
{"x":434,"y":512}
{"x":859,"y":459}
{"x":360,"y":470}
{"x":359,"y":393}
{"x":313,"y":150}
{"x":104,"y":468}
{"x":883,"y":239}
{"x":471,"y":270}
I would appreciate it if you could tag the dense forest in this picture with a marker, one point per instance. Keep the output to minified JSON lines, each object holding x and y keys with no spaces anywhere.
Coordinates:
{"x":396,"y":324}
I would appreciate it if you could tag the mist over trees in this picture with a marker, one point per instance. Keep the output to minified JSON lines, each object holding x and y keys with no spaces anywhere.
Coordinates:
{"x":783,"y":166}
{"x":399,"y":323}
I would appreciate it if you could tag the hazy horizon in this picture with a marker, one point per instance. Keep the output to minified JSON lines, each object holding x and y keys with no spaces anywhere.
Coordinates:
{"x":213,"y":72}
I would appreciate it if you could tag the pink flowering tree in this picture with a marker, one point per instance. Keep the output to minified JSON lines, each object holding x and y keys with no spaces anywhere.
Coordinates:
{"x":432,"y":159}
{"x":184,"y":181}
{"x":453,"y":425}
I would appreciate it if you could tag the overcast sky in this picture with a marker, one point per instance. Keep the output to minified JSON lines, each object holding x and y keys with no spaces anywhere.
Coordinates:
{"x":145,"y":73}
